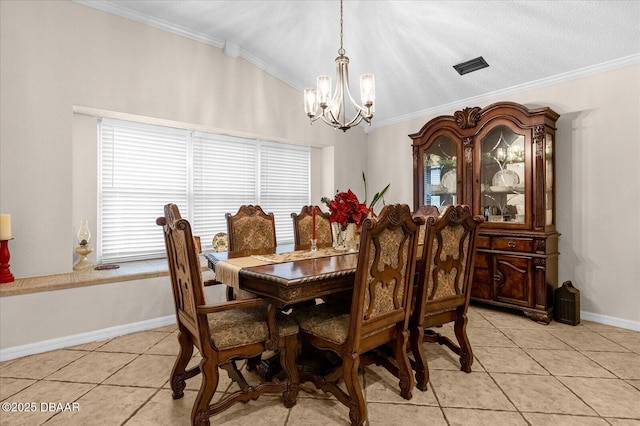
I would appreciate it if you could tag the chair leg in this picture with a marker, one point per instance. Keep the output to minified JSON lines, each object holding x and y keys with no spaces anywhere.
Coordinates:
{"x":421,"y":366}
{"x":402,"y":358}
{"x":357,"y":407}
{"x":466,"y":354}
{"x":288,"y":361}
{"x":200,"y":413}
{"x":178,"y":373}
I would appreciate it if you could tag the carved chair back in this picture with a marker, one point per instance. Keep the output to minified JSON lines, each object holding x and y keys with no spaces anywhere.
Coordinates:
{"x":184,"y":269}
{"x":251,"y":231}
{"x":302,"y":224}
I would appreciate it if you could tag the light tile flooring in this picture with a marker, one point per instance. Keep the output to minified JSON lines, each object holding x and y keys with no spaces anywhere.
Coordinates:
{"x":524,"y":373}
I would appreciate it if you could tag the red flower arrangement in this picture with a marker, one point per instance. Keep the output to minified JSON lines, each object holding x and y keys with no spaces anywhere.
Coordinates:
{"x":345,"y":208}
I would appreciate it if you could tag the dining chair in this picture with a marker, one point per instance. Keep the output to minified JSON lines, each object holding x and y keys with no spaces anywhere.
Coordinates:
{"x":250,"y":232}
{"x":444,"y":286}
{"x":222,"y":333}
{"x":302,"y":225}
{"x":377,"y":314}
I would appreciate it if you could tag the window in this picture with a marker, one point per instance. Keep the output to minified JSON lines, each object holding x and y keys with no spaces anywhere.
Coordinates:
{"x":143,"y":167}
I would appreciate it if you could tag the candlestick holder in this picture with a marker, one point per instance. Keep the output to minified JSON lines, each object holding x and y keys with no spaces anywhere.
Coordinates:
{"x":5,"y":273}
{"x":314,"y":245}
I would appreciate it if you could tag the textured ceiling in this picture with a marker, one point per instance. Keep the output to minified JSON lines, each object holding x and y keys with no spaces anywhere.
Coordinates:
{"x":410,"y":46}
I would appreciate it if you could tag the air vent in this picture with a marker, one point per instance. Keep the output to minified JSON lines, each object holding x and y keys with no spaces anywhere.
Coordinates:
{"x":472,"y":65}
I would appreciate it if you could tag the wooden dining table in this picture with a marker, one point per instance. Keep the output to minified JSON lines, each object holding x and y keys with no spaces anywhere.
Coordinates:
{"x":294,"y":281}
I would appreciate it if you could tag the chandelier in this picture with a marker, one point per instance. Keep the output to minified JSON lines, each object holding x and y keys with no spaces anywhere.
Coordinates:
{"x":333,"y":110}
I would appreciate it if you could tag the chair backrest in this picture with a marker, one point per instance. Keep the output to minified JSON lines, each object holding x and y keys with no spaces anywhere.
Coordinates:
{"x":251,"y":231}
{"x":384,"y":277}
{"x":444,"y":280}
{"x":184,"y":268}
{"x":425,"y":212}
{"x":302,"y":224}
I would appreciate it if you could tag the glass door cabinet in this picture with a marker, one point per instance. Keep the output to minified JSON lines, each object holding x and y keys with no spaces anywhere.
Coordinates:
{"x":498,"y":160}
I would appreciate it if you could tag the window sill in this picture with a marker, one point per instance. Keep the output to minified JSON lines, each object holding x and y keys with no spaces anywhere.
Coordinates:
{"x":126,"y":272}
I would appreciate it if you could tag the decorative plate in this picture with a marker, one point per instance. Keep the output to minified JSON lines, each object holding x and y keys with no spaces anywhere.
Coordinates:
{"x":505,"y":177}
{"x":219,"y":242}
{"x":449,"y":181}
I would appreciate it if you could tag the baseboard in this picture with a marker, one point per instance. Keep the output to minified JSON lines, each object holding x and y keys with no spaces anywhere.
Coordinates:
{"x":607,"y":320}
{"x":79,"y":339}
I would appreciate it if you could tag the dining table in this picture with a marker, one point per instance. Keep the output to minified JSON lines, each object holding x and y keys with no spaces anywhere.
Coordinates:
{"x":288,"y":277}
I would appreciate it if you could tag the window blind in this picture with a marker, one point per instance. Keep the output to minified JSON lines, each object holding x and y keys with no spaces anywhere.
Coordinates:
{"x":143,"y":167}
{"x":224,"y":178}
{"x":284,"y":185}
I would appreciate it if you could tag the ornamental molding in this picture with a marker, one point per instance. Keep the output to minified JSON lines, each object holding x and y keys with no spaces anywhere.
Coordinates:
{"x":468,"y":117}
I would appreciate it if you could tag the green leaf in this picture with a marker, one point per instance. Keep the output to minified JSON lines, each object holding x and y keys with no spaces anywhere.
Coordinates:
{"x":364,"y":179}
{"x":378,"y":196}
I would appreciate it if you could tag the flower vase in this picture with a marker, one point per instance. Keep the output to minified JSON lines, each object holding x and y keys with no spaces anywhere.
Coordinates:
{"x":339,"y":236}
{"x":344,"y":238}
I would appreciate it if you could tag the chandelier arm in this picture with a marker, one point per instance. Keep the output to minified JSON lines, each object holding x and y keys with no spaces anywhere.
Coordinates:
{"x":331,"y":120}
{"x":353,"y":101}
{"x":355,"y":121}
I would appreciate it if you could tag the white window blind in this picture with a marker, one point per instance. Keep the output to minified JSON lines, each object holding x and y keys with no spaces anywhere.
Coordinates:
{"x":224,"y":178}
{"x":144,"y":167}
{"x":284,"y":184}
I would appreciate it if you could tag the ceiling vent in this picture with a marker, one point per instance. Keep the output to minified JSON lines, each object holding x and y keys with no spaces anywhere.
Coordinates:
{"x":472,"y":65}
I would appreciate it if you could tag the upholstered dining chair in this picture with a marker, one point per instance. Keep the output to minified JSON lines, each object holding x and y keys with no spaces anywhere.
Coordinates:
{"x":302,"y":223}
{"x":222,"y":333}
{"x":444,"y":286}
{"x":378,"y":312}
{"x":250,"y":231}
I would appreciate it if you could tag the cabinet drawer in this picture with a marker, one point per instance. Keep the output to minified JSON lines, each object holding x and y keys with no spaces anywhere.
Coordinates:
{"x":513,"y":244}
{"x":483,"y":242}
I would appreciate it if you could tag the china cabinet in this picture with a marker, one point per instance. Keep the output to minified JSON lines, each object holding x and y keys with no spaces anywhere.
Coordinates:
{"x":500,"y":161}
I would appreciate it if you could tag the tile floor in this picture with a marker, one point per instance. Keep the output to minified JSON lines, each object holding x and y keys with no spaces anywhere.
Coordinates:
{"x":524,"y":373}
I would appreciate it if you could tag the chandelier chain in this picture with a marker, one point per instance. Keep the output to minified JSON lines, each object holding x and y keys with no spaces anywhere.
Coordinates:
{"x":341,"y":50}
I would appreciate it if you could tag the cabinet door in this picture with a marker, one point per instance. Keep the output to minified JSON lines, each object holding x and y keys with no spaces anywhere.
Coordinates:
{"x":503,"y":175}
{"x":513,"y":279}
{"x":440,"y":173}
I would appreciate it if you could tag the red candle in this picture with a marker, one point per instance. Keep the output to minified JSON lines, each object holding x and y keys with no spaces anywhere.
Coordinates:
{"x":313,"y":223}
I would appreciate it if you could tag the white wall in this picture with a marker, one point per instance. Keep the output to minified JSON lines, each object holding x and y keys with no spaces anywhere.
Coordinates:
{"x":598,"y":184}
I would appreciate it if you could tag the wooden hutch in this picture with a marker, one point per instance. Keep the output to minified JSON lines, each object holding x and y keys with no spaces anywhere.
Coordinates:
{"x":500,"y":161}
